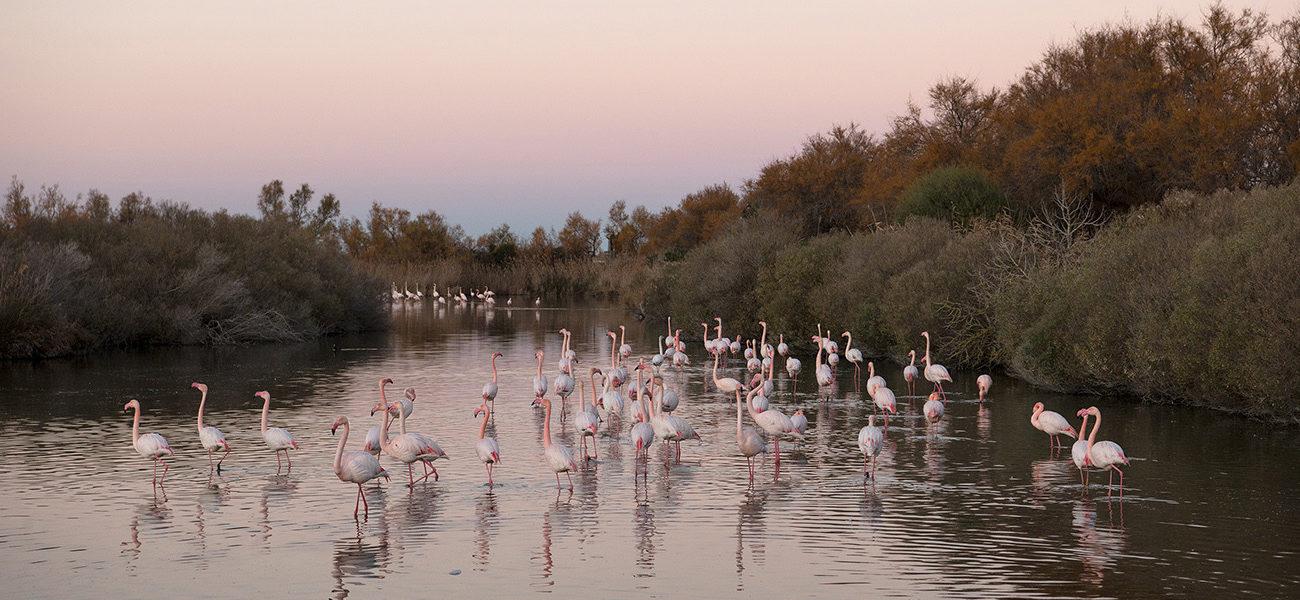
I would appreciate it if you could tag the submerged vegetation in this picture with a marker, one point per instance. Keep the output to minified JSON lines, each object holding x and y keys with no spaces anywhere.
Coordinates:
{"x":1120,"y":218}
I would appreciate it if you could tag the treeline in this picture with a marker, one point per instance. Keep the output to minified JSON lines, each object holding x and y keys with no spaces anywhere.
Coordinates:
{"x":80,"y":274}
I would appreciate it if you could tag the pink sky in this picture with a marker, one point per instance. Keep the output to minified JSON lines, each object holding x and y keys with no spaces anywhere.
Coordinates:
{"x":487,"y":111}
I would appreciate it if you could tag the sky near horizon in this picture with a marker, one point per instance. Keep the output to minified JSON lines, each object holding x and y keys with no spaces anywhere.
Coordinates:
{"x":487,"y":112}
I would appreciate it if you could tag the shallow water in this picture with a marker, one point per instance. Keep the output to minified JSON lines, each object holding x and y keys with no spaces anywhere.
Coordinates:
{"x":975,"y":506}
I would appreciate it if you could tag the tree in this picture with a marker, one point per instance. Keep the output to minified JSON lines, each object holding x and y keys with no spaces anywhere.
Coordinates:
{"x":580,"y":236}
{"x":817,"y":188}
{"x":497,"y":247}
{"x":298,"y":203}
{"x":270,"y":202}
{"x":954,"y":194}
{"x":698,"y":218}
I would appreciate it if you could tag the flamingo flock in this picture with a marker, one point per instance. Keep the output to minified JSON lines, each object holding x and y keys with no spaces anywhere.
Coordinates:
{"x":483,"y":295}
{"x":652,"y":418}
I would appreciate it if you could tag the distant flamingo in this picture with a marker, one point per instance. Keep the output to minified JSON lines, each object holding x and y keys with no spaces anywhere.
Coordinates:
{"x":910,"y":373}
{"x":800,"y":421}
{"x":934,"y":373}
{"x":150,"y":445}
{"x":624,"y":348}
{"x":487,"y":449}
{"x":825,"y":376}
{"x":490,"y":388}
{"x":874,"y":381}
{"x":372,"y":444}
{"x":870,"y":441}
{"x":276,"y":438}
{"x":672,"y":347}
{"x":751,"y":443}
{"x":782,"y":348}
{"x":933,"y":408}
{"x":642,"y":433}
{"x":1105,"y":455}
{"x":765,"y":350}
{"x":1051,"y":423}
{"x":725,"y":385}
{"x":885,"y":401}
{"x":680,"y":359}
{"x":587,"y":419}
{"x":558,"y":456}
{"x":792,"y":367}
{"x":984,"y":383}
{"x":354,"y":466}
{"x":1079,"y":450}
{"x":852,"y":355}
{"x":210,"y":437}
{"x":775,"y":423}
{"x":540,"y":384}
{"x":658,"y":359}
{"x":671,"y":428}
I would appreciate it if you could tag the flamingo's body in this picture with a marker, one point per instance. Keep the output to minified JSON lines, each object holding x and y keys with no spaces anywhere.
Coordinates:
{"x":587,"y":419}
{"x":874,"y":381}
{"x":726,"y":385}
{"x":487,"y":449}
{"x":354,"y":466}
{"x":885,"y":401}
{"x":800,"y":421}
{"x":372,"y":443}
{"x":490,"y":388}
{"x":750,"y":442}
{"x":276,"y":438}
{"x":934,"y":373}
{"x":149,"y":445}
{"x":852,"y":354}
{"x":558,"y":456}
{"x":910,"y":373}
{"x":984,"y":383}
{"x":933,"y":408}
{"x":211,"y":438}
{"x":1051,"y":423}
{"x":410,"y":448}
{"x":775,"y":423}
{"x":540,"y":384}
{"x":783,"y":348}
{"x":870,"y":441}
{"x":1105,"y":455}
{"x":671,"y":428}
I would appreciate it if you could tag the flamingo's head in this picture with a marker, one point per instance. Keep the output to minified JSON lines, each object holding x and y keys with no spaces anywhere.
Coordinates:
{"x":479,"y":410}
{"x":385,"y":381}
{"x":1038,"y":407}
{"x":1094,"y":411}
{"x":200,"y":387}
{"x":612,"y":335}
{"x":339,"y":422}
{"x":410,"y":394}
{"x":925,"y":334}
{"x":130,"y":405}
{"x":911,"y":353}
{"x":763,"y":323}
{"x":376,"y":408}
{"x":264,"y":395}
{"x":1082,"y":412}
{"x":934,"y":396}
{"x":845,"y":334}
{"x":497,"y":355}
{"x":799,"y":412}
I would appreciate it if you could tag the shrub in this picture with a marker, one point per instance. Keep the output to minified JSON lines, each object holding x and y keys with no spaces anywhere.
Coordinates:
{"x":957,"y":194}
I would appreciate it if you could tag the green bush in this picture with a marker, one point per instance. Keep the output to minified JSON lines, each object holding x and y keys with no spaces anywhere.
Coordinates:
{"x":958,"y":194}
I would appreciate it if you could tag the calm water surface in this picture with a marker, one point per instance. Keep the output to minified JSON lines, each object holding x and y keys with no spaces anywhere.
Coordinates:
{"x":975,"y":506}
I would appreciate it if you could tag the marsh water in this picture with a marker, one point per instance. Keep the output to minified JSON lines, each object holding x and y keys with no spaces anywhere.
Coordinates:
{"x":974,"y":506}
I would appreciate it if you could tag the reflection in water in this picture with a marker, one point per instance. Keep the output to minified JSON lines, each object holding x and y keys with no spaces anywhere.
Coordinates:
{"x":982,"y":493}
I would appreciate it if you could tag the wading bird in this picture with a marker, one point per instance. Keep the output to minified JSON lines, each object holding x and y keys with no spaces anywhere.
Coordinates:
{"x":751,"y":443}
{"x":558,"y":456}
{"x":277,"y":439}
{"x":587,"y":419}
{"x":487,"y":449}
{"x":984,"y":383}
{"x":210,"y":437}
{"x":852,"y":355}
{"x":870,"y":441}
{"x":410,"y":448}
{"x":490,"y":388}
{"x":933,"y":409}
{"x":1105,"y":455}
{"x":936,"y":374}
{"x":910,"y":373}
{"x":150,"y":445}
{"x":355,"y":466}
{"x":1079,"y":450}
{"x":1051,"y":423}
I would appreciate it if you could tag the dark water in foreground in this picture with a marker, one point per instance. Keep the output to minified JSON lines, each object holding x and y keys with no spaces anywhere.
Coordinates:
{"x":975,"y":506}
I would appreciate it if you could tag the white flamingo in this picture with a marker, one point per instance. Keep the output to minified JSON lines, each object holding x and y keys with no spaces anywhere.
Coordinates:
{"x":354,"y":466}
{"x":885,"y":401}
{"x":642,"y":434}
{"x":410,"y":448}
{"x":558,"y":456}
{"x":874,"y":381}
{"x":671,"y":428}
{"x":372,"y":444}
{"x":540,"y":384}
{"x":726,"y":385}
{"x":587,"y":419}
{"x":782,"y":348}
{"x":1051,"y":423}
{"x":624,"y":348}
{"x":750,"y":442}
{"x":984,"y":383}
{"x":210,"y":437}
{"x":277,"y":439}
{"x":1079,"y":450}
{"x":776,"y":424}
{"x":870,"y":442}
{"x":149,"y":445}
{"x":1105,"y":455}
{"x":825,"y":376}
{"x":486,"y":448}
{"x":935,"y":373}
{"x":933,"y":408}
{"x":910,"y":373}
{"x":490,"y":388}
{"x":852,"y":354}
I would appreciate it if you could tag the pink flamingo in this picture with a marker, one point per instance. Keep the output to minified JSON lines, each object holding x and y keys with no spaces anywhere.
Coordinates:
{"x":487,"y":449}
{"x":558,"y":456}
{"x":410,"y":448}
{"x":279,"y":440}
{"x":490,"y":388}
{"x":935,"y":373}
{"x":1051,"y":423}
{"x":1105,"y":455}
{"x":587,"y":419}
{"x":1079,"y":451}
{"x":870,"y":441}
{"x":540,"y":384}
{"x":150,"y":445}
{"x":984,"y":383}
{"x":355,"y":466}
{"x":751,"y":442}
{"x":910,"y":373}
{"x":210,"y":437}
{"x":933,"y":408}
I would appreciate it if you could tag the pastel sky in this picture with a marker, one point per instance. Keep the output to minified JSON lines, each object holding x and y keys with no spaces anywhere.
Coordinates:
{"x":487,"y":112}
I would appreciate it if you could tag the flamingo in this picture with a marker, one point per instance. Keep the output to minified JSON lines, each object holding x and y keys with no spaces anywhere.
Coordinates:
{"x":537,"y":301}
{"x":751,"y":443}
{"x":874,"y":381}
{"x":775,"y":423}
{"x":276,"y":438}
{"x":765,"y":349}
{"x":587,"y":419}
{"x":569,"y":354}
{"x":617,"y":374}
{"x":933,"y":408}
{"x":984,"y":383}
{"x":671,"y":349}
{"x":800,"y":421}
{"x":1105,"y":455}
{"x":852,"y":355}
{"x":668,"y":401}
{"x":1051,"y":423}
{"x":150,"y":445}
{"x":910,"y":373}
{"x":658,"y":359}
{"x":782,"y":348}
{"x":410,"y":448}
{"x":870,"y":441}
{"x":354,"y":466}
{"x":539,"y":381}
{"x":372,"y":444}
{"x":210,"y":437}
{"x":642,"y":433}
{"x":490,"y":388}
{"x":624,"y":348}
{"x":564,"y":385}
{"x":487,"y":449}
{"x":792,"y":367}
{"x":759,"y":400}
{"x":825,"y":376}
{"x":671,"y":428}
{"x":1079,"y":450}
{"x":725,"y":385}
{"x":558,"y":456}
{"x":750,"y":352}
{"x":884,"y":399}
{"x":934,"y":373}
{"x":680,"y":359}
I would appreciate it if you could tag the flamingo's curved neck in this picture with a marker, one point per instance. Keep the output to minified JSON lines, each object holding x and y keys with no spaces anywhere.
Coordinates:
{"x":706,"y":334}
{"x":661,"y":344}
{"x":670,"y":326}
{"x":1083,"y":427}
{"x":482,"y":429}
{"x":1092,"y":437}
{"x":494,"y":368}
{"x":927,"y":351}
{"x":338,"y":452}
{"x":202,"y":400}
{"x":849,"y":342}
{"x":913,"y":363}
{"x":546,"y":428}
{"x":135,"y":426}
{"x":613,"y":351}
{"x":749,"y":404}
{"x":820,"y":345}
{"x":871,"y":368}
{"x":266,"y":411}
{"x":622,"y":335}
{"x":737,"y":413}
{"x":401,"y":419}
{"x":715,"y":366}
{"x":539,"y":364}
{"x":1033,"y":419}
